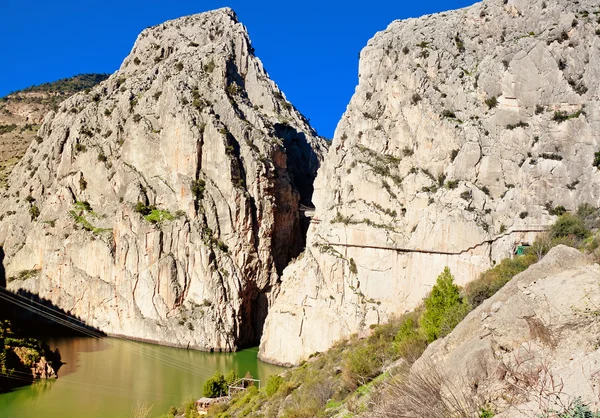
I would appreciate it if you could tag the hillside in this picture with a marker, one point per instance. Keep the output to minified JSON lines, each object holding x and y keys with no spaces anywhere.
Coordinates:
{"x":22,"y":112}
{"x":519,"y":341}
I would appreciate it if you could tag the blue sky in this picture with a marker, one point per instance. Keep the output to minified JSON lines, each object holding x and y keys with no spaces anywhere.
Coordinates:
{"x":310,"y":48}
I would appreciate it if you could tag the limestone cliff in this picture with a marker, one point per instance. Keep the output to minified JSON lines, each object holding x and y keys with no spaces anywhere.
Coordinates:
{"x":466,"y":131}
{"x":163,"y":204}
{"x":22,"y":112}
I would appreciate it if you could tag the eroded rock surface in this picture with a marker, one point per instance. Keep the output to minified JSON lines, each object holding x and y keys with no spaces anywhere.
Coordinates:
{"x":22,"y":112}
{"x":466,"y":130}
{"x":163,"y":204}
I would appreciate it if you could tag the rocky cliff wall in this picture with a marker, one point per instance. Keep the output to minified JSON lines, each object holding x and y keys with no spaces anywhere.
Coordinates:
{"x":163,"y":204}
{"x":465,"y":132}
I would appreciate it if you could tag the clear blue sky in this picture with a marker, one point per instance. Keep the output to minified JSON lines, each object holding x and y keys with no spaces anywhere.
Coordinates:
{"x":310,"y":48}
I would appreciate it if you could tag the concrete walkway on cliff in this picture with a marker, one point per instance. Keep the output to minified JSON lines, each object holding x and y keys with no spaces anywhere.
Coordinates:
{"x":537,"y":228}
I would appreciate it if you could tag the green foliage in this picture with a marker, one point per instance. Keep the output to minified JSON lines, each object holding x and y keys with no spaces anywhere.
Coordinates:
{"x":273,"y":385}
{"x":209,"y":67}
{"x":444,"y":299}
{"x":577,"y":409}
{"x":485,"y":413}
{"x":231,"y":377}
{"x":83,"y":205}
{"x":34,"y":212}
{"x":410,"y":341}
{"x":69,"y":85}
{"x":569,"y":225}
{"x":562,"y":116}
{"x":452,"y":184}
{"x":492,"y":102}
{"x":585,"y":209}
{"x":190,"y":411}
{"x":520,"y":124}
{"x":31,"y":350}
{"x":143,"y":209}
{"x":4,"y":129}
{"x":596,"y":162}
{"x":198,"y":188}
{"x":492,"y":280}
{"x":157,"y":216}
{"x":85,"y":224}
{"x":222,"y":246}
{"x":215,"y":386}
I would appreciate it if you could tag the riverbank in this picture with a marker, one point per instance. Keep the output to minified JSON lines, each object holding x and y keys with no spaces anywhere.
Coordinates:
{"x":111,"y":377}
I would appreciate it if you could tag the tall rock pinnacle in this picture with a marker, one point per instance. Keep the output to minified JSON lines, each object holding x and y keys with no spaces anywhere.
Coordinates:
{"x":163,"y":204}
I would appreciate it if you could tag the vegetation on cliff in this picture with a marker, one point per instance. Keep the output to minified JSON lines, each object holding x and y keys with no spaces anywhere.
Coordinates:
{"x":354,"y":377}
{"x":67,"y":86}
{"x":23,"y":359}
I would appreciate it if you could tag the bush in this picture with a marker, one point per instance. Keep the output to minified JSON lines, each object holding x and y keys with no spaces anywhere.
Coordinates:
{"x":273,"y":384}
{"x":596,"y":162}
{"x":410,"y":341}
{"x":143,"y":209}
{"x":34,"y":211}
{"x":492,"y":102}
{"x":198,"y":187}
{"x":495,"y":278}
{"x":442,"y":300}
{"x":569,"y":225}
{"x":577,"y":409}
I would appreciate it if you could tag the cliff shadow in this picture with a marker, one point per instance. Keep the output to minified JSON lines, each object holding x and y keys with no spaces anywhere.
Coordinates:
{"x":302,"y":161}
{"x":2,"y":270}
{"x":39,"y":317}
{"x":254,"y":309}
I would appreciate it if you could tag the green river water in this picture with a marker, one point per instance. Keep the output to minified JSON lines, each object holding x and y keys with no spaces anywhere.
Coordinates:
{"x":108,"y":377}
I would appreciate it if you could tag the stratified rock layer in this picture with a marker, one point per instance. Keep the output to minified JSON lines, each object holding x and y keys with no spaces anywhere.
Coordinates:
{"x":465,"y":132}
{"x":163,"y":204}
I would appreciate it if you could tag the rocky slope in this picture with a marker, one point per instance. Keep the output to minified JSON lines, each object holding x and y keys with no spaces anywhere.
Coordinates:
{"x":533,"y":346}
{"x":163,"y":204}
{"x":466,"y":131}
{"x":22,"y":112}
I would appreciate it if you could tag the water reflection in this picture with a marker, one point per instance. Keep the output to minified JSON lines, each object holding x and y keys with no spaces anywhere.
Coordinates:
{"x":108,"y":377}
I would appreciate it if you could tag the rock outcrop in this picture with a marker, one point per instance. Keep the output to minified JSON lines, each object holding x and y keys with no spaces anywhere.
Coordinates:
{"x":533,"y":346}
{"x":22,"y":112}
{"x":465,"y":133}
{"x":163,"y":204}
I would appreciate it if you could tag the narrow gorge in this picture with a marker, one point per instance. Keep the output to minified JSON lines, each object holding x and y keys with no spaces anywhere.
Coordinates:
{"x":163,"y":204}
{"x":168,"y":203}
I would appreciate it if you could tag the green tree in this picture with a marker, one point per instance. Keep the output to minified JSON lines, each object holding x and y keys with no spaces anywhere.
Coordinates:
{"x":441,"y":307}
{"x":215,"y":386}
{"x":230,"y":378}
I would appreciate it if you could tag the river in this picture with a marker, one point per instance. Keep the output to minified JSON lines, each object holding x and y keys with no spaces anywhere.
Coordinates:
{"x":109,"y":377}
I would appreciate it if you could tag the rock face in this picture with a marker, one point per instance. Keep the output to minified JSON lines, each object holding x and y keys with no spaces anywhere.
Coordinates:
{"x":465,"y":132}
{"x":22,"y":112}
{"x":533,"y":346}
{"x":163,"y":204}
